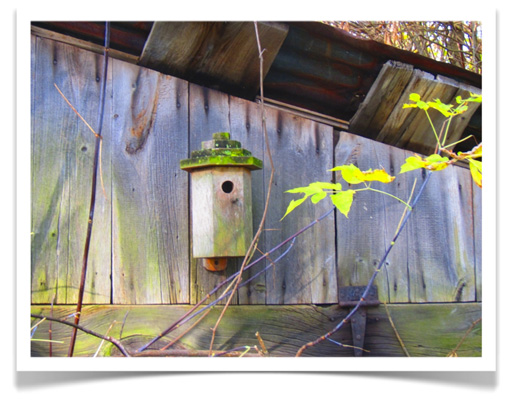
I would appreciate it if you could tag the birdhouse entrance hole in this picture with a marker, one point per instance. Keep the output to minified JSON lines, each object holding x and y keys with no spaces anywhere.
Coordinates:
{"x":227,"y":186}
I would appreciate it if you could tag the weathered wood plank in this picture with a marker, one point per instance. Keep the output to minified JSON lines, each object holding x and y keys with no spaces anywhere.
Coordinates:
{"x":381,"y":99}
{"x":363,"y":238}
{"x":440,"y":236}
{"x":427,"y":330}
{"x":150,"y":195}
{"x":400,"y":118}
{"x":459,"y":124}
{"x":302,"y":153}
{"x":477,"y":234}
{"x":201,"y":52}
{"x":417,"y":135}
{"x":411,"y":129}
{"x":246,"y":127}
{"x":432,"y":261}
{"x":62,"y":157}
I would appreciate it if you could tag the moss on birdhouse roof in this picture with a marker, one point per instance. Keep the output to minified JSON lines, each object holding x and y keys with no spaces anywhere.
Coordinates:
{"x":221,"y":151}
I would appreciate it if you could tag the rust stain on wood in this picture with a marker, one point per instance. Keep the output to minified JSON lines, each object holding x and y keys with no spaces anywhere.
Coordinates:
{"x":144,"y":110}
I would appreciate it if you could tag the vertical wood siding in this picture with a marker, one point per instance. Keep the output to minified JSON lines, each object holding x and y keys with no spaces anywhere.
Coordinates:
{"x":141,"y":246}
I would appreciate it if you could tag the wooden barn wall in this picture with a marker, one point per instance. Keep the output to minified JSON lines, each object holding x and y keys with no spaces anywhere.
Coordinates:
{"x":140,"y":249}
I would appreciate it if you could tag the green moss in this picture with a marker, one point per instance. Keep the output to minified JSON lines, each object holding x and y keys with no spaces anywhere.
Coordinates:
{"x":221,"y":151}
{"x":221,"y":161}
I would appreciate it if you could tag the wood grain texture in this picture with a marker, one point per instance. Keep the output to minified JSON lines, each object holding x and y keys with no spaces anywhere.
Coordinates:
{"x":202,"y":52}
{"x":140,"y":251}
{"x":302,"y":153}
{"x":363,"y":238}
{"x":478,"y":229}
{"x":62,"y":157}
{"x":246,"y":127}
{"x":381,"y":99}
{"x":150,"y":192}
{"x":427,"y":330}
{"x":441,"y":239}
{"x":434,"y":258}
{"x":381,"y":115}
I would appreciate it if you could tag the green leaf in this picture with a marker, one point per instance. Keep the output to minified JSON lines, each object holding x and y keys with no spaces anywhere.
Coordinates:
{"x":318,"y":197}
{"x":418,"y":102}
{"x":354,"y":175}
{"x":293,"y":204}
{"x":415,"y":97}
{"x":409,"y":105}
{"x":435,"y":162}
{"x":343,"y":201}
{"x":412,"y":163}
{"x":476,"y":152}
{"x":474,"y":98}
{"x":423,"y":106}
{"x":444,"y":109}
{"x":349,"y":173}
{"x":326,"y":185}
{"x":315,"y":187}
{"x":379,"y":175}
{"x":475,"y":168}
{"x":307,"y":190}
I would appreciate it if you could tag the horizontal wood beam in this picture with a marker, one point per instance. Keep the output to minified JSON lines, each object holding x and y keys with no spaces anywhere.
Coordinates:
{"x":426,"y":330}
{"x":82,"y":44}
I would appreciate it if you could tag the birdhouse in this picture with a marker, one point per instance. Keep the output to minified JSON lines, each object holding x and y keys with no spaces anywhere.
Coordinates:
{"x":221,"y":207}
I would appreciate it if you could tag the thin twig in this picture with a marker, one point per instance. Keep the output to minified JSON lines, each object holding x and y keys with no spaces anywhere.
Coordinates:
{"x":408,"y":202}
{"x":103,"y":341}
{"x":453,"y":353}
{"x":123,"y":325}
{"x":92,"y":195}
{"x":50,"y":324}
{"x":395,"y":331}
{"x":98,"y":136}
{"x":262,"y":222}
{"x":38,"y":323}
{"x":76,"y":111}
{"x":262,"y":344}
{"x":348,"y":345}
{"x":115,"y":342}
{"x":187,"y":330}
{"x":193,"y":353}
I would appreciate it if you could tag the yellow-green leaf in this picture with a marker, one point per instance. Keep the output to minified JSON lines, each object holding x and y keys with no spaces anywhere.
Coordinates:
{"x":343,"y":201}
{"x":444,"y":109}
{"x":350,"y":173}
{"x":412,"y":163}
{"x":293,"y":204}
{"x":475,"y":168}
{"x":415,"y":97}
{"x":354,"y":175}
{"x":318,"y":197}
{"x":315,"y":187}
{"x":475,"y":152}
{"x":435,"y":162}
{"x":379,"y":175}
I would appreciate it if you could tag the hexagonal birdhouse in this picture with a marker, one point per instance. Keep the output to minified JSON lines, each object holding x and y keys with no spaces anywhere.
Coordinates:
{"x":221,"y":206}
